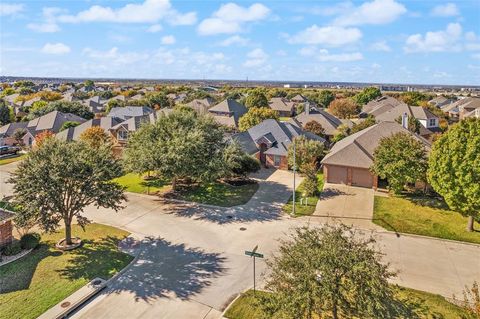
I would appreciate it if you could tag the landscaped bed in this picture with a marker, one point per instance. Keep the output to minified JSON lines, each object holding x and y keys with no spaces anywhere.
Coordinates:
{"x":425,"y":216}
{"x":33,"y":284}
{"x":421,"y":304}
{"x":302,"y":209}
{"x":217,"y":193}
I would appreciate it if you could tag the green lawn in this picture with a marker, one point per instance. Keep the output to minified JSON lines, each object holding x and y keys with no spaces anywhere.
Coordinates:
{"x":137,"y":184}
{"x":304,"y":210}
{"x":284,"y":118}
{"x":422,"y":216}
{"x":416,"y":304}
{"x":218,"y":194}
{"x":35,"y":283}
{"x":9,"y":160}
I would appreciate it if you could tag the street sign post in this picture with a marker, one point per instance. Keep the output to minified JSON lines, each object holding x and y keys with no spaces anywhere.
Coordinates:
{"x":253,"y":253}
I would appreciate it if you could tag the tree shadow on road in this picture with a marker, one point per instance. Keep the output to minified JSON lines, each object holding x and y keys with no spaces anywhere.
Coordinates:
{"x":265,"y":205}
{"x":329,"y":192}
{"x":167,"y":270}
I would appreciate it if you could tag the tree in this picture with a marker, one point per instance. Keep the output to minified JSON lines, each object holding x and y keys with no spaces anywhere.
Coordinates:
{"x":255,"y":116}
{"x":367,"y":94}
{"x":325,"y":97}
{"x":69,"y":124}
{"x":62,"y":106}
{"x":342,"y":131}
{"x":344,"y":108}
{"x":113,"y":103}
{"x":237,"y":162}
{"x":255,"y":99}
{"x":18,"y":135}
{"x":357,"y":127}
{"x":310,"y":183}
{"x":4,"y":113}
{"x":328,"y":272}
{"x":454,"y":171}
{"x":314,"y":127}
{"x":57,"y":180}
{"x":89,"y":85}
{"x":179,"y":145}
{"x":307,"y":152}
{"x":414,"y":98}
{"x":42,"y":137}
{"x":49,"y":96}
{"x":157,"y":100}
{"x":96,"y":137}
{"x":401,"y":159}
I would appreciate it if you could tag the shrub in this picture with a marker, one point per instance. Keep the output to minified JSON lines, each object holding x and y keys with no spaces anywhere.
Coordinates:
{"x":12,"y":249}
{"x":30,"y":241}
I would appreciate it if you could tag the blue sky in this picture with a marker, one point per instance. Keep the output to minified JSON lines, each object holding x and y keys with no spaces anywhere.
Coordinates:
{"x":425,"y":42}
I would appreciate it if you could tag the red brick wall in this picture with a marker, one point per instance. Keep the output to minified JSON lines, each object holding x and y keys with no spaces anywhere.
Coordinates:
{"x":6,"y":229}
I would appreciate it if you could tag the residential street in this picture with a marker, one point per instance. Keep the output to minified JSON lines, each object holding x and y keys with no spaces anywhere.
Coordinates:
{"x":192,"y":263}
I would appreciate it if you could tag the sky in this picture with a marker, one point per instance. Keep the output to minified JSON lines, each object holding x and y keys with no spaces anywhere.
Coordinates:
{"x":376,"y":41}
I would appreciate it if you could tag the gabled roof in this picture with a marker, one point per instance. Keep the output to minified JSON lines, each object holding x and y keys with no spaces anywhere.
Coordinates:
{"x":280,"y":104}
{"x":73,"y":133}
{"x":201,"y":105}
{"x":380,"y":101}
{"x":129,"y":111}
{"x":357,"y":149}
{"x":228,"y":112}
{"x":134,"y":123}
{"x":397,"y":111}
{"x":329,"y":122}
{"x":299,"y":98}
{"x":52,"y":121}
{"x":280,"y":133}
{"x":10,"y":128}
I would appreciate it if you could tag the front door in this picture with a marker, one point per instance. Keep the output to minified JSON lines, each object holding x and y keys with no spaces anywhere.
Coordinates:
{"x":263,"y":157}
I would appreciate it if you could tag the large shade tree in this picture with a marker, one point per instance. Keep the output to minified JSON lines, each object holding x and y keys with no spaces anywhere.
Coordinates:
{"x":401,"y":159}
{"x":58,"y":179}
{"x":454,"y":168}
{"x":255,"y":116}
{"x":256,"y":98}
{"x":344,"y":108}
{"x":62,"y":106}
{"x":178,"y":146}
{"x":328,"y":272}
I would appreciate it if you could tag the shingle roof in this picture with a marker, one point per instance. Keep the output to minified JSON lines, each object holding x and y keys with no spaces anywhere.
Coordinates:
{"x":9,"y":129}
{"x":280,"y":133}
{"x":4,"y":215}
{"x":329,"y":122}
{"x":357,"y":149}
{"x":73,"y":133}
{"x":280,"y":104}
{"x":228,"y":112}
{"x":53,"y":121}
{"x":382,"y":100}
{"x":129,"y":111}
{"x":134,"y":123}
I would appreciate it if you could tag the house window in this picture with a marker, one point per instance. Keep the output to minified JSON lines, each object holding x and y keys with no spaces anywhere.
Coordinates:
{"x":432,"y":122}
{"x":122,"y":135}
{"x":276,"y":160}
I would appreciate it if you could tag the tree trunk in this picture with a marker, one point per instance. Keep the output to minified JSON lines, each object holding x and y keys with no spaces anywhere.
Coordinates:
{"x":174,"y":184}
{"x":470,"y":223}
{"x":68,"y":233}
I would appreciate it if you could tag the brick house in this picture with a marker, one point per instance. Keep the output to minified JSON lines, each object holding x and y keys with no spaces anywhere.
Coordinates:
{"x":6,"y":227}
{"x":269,"y":141}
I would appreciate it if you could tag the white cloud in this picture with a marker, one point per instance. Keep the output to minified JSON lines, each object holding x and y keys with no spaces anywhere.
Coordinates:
{"x":150,"y":11}
{"x":381,"y":46}
{"x":114,"y":56}
{"x":154,"y":28}
{"x":230,"y":18}
{"x":10,"y":9}
{"x":49,"y":25}
{"x":168,"y":39}
{"x":234,"y":40}
{"x":374,"y":12}
{"x":281,"y":53}
{"x":255,"y":58}
{"x":330,"y":35}
{"x":55,"y":48}
{"x":324,"y":55}
{"x":435,"y":41}
{"x":476,"y":56}
{"x":446,"y":10}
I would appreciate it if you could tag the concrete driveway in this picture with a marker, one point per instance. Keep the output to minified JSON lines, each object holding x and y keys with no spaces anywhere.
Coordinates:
{"x":346,"y":204}
{"x":6,"y":189}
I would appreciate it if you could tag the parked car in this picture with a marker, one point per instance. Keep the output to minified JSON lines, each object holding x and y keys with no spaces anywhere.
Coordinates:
{"x":8,"y":150}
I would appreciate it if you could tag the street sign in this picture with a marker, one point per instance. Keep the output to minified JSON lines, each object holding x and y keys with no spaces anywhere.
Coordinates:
{"x":253,"y":253}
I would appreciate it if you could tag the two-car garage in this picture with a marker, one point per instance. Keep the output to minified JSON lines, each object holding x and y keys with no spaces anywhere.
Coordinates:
{"x":349,"y":175}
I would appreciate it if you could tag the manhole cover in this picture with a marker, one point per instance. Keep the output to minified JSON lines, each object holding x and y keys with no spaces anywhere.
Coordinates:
{"x":96,"y":282}
{"x":229,"y":217}
{"x":65,"y":304}
{"x":243,"y":228}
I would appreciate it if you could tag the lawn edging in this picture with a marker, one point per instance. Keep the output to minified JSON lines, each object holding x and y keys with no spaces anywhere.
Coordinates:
{"x":16,"y":257}
{"x":180,"y":201}
{"x":451,"y":241}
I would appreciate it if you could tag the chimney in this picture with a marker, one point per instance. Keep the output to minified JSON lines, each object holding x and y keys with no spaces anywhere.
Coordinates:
{"x":307,"y":108}
{"x":405,"y":120}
